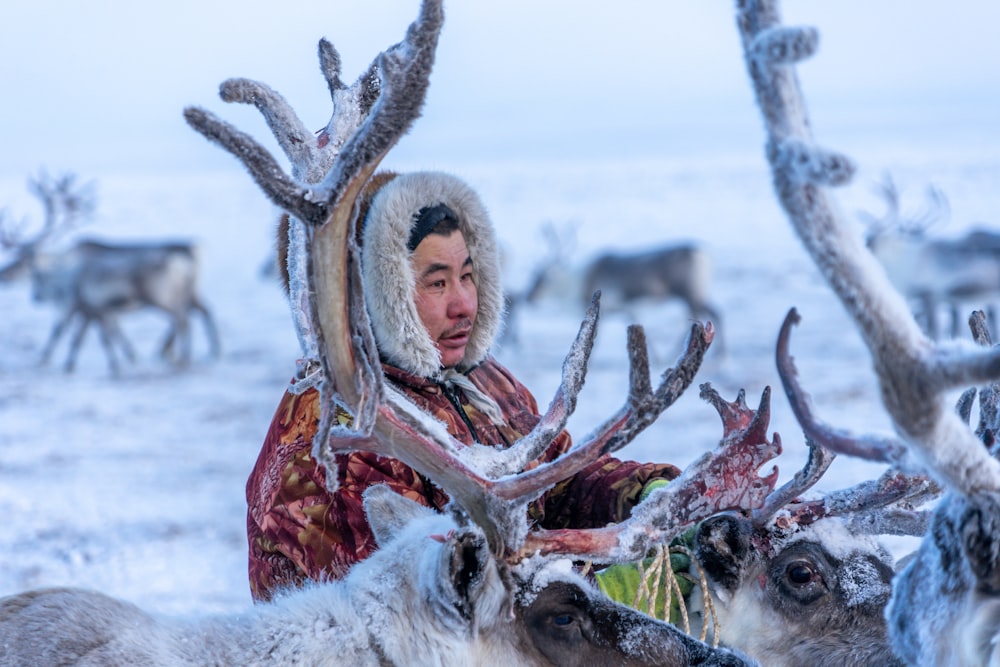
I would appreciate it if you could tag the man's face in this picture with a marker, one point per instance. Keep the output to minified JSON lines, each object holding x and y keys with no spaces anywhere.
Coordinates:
{"x":446,"y":297}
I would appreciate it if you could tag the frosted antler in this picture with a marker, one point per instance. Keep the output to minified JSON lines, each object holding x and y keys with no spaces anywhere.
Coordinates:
{"x":368,"y":119}
{"x":913,"y":372}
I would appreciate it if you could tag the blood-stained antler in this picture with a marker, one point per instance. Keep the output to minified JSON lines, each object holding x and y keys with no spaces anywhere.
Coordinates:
{"x":953,"y":582}
{"x":724,"y":479}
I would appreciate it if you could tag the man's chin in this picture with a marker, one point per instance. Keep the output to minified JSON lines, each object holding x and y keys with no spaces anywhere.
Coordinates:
{"x":451,"y":357}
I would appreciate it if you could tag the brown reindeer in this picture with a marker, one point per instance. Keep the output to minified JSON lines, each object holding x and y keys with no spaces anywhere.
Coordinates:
{"x":626,"y":279}
{"x":945,"y":604}
{"x":474,"y":586}
{"x":95,"y":281}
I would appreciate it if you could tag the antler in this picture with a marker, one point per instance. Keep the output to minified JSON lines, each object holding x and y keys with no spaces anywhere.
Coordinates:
{"x":490,"y":487}
{"x":724,"y":479}
{"x":885,"y":506}
{"x":913,"y":372}
{"x":64,"y":202}
{"x":913,"y":225}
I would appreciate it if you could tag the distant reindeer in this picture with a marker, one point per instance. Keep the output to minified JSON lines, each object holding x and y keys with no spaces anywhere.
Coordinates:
{"x":95,"y":281}
{"x":626,"y":279}
{"x":945,"y":604}
{"x":934,"y":272}
{"x":473,"y":586}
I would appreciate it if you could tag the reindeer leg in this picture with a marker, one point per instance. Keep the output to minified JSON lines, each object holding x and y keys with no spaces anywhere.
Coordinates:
{"x":74,"y":347}
{"x":167,"y":347}
{"x":119,"y":335}
{"x":210,"y":329}
{"x":183,"y":358}
{"x":107,"y":330}
{"x":57,"y":332}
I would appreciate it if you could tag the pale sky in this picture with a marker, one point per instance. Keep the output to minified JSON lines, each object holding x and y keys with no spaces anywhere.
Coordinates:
{"x":101,"y":84}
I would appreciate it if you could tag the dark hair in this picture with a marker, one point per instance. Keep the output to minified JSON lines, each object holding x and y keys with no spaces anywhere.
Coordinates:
{"x":438,"y":219}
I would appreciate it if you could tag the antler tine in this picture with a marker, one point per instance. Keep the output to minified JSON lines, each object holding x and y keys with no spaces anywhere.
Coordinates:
{"x":644,"y":405}
{"x":883,"y":506}
{"x":913,"y":373}
{"x":817,"y":464}
{"x":280,"y":188}
{"x":871,"y":447}
{"x":887,"y":190}
{"x":724,"y":479}
{"x":291,"y":133}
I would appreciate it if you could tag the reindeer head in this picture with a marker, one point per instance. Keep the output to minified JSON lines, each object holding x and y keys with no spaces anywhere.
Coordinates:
{"x":65,"y":202}
{"x":816,"y":596}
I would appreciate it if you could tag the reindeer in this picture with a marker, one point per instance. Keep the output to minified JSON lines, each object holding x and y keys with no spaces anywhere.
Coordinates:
{"x":806,"y":581}
{"x":472,"y":586}
{"x":655,"y":275}
{"x":96,"y":281}
{"x":944,"y":608}
{"x":934,"y":271}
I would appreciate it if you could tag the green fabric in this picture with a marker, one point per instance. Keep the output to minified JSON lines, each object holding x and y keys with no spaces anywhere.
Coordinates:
{"x":652,"y":486}
{"x":621,"y":582}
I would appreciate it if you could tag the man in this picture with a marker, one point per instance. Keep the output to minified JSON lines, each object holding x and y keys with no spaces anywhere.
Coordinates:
{"x":431,"y":278}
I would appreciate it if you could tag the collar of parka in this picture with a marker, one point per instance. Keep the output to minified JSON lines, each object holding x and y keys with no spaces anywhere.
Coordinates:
{"x":388,"y":279}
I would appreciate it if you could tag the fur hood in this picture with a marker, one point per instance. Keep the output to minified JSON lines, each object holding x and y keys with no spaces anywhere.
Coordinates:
{"x":389,"y":282}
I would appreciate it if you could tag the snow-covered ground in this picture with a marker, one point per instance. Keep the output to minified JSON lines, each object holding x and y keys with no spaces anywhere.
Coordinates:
{"x":134,"y":486}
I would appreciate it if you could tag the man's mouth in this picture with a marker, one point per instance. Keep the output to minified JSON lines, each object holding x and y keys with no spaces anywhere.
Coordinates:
{"x":456,"y":336}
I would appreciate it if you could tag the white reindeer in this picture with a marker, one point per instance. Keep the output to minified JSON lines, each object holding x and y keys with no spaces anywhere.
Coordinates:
{"x":476,"y":586}
{"x":945,"y":604}
{"x":95,"y":281}
{"x":432,"y":594}
{"x":934,"y":271}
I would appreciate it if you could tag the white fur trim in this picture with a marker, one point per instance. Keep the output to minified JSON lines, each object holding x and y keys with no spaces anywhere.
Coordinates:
{"x":389,"y":282}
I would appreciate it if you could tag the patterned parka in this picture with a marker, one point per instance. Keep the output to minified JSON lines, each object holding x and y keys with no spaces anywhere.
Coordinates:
{"x":297,"y":529}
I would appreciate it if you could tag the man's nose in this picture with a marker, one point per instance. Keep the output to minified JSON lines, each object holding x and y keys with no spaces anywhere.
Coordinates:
{"x":461,"y":302}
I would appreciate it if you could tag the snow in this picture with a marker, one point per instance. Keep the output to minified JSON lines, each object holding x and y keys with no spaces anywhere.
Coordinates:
{"x":135,"y":486}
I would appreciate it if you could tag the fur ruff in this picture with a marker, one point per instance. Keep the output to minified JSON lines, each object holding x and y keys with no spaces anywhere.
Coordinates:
{"x":389,"y":282}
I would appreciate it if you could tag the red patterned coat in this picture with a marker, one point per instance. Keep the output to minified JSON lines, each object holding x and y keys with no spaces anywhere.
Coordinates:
{"x":298,"y":530}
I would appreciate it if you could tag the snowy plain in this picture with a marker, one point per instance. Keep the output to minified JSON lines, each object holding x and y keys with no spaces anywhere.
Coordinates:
{"x":134,"y":486}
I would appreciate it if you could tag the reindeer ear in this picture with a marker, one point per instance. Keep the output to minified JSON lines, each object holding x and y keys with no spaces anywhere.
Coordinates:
{"x":466,"y":571}
{"x":389,"y":512}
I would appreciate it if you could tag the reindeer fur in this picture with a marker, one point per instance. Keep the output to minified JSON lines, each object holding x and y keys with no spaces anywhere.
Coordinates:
{"x":432,"y":594}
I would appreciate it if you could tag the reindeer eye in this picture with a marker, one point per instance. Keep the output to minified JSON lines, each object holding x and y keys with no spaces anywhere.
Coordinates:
{"x":800,"y":573}
{"x":562,"y":620}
